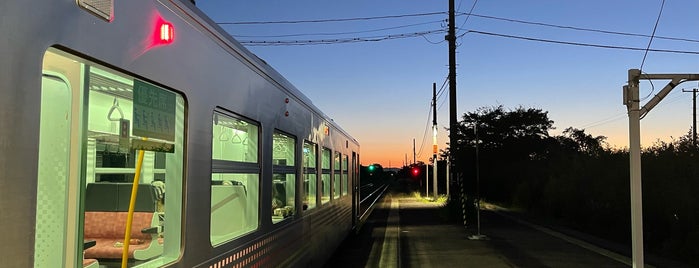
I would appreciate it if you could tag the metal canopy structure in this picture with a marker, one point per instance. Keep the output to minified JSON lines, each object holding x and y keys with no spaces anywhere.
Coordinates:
{"x":636,"y":113}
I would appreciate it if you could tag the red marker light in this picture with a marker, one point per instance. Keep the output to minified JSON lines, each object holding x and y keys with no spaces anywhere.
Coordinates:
{"x":167,"y":33}
{"x":161,"y":33}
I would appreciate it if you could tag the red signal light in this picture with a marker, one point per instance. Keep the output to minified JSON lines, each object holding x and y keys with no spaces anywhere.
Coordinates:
{"x":415,"y":171}
{"x":167,"y":33}
{"x":161,"y":33}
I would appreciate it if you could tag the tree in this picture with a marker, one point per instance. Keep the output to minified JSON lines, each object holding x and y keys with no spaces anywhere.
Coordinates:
{"x":371,"y":172}
{"x":511,"y":145}
{"x":575,"y":140}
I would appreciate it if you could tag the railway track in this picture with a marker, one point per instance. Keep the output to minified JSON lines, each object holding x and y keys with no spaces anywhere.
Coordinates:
{"x":369,"y":194}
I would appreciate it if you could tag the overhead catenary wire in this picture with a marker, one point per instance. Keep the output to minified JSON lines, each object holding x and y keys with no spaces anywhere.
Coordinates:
{"x":580,"y":43}
{"x":604,"y":121}
{"x":441,"y":31}
{"x":425,"y":33}
{"x":468,"y":14}
{"x":652,"y":87}
{"x":427,"y":126}
{"x":579,"y":28}
{"x":441,"y":89}
{"x":429,"y":114}
{"x":619,"y":116}
{"x":650,"y":41}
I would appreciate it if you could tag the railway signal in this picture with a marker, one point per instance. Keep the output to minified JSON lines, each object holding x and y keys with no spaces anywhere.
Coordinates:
{"x":415,"y":171}
{"x":371,"y":168}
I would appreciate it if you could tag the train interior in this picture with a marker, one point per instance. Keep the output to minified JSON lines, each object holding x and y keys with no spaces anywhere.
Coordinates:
{"x":284,"y":178}
{"x":94,"y":121}
{"x":235,"y":178}
{"x":309,"y":175}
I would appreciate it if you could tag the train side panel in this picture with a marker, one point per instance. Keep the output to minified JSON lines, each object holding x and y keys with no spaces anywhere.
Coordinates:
{"x":59,"y":64}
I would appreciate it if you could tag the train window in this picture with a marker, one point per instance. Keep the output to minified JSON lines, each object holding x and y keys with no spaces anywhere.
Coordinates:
{"x":234,"y":140}
{"x":338,"y":175}
{"x":345,"y":185}
{"x":310,"y":177}
{"x":325,"y":177}
{"x":235,"y":178}
{"x":284,"y":177}
{"x":97,"y":128}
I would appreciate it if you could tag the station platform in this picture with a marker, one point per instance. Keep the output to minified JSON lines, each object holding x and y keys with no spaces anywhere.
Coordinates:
{"x":407,"y":231}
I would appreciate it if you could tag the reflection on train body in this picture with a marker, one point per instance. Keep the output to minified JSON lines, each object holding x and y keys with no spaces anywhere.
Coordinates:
{"x":119,"y":147}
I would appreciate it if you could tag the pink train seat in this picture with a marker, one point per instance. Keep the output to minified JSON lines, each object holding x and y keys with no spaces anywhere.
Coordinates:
{"x":106,"y":212}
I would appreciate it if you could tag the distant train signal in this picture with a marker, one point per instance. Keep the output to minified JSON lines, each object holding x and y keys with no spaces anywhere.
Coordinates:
{"x":371,"y":168}
{"x":415,"y":171}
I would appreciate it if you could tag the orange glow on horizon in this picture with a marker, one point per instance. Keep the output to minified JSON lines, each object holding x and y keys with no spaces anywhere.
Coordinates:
{"x":397,"y":155}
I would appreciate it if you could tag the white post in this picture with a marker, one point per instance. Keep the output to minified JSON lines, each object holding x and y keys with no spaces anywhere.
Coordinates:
{"x":633,"y":106}
{"x":427,"y":180}
{"x":632,"y":102}
{"x":434,"y":160}
{"x":446,"y":174}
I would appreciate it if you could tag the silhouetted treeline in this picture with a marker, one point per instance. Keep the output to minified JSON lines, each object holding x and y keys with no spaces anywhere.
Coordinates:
{"x":578,"y":180}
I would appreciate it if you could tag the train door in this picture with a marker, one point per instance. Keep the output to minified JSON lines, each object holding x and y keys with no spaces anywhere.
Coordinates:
{"x":92,"y":124}
{"x":57,"y":183}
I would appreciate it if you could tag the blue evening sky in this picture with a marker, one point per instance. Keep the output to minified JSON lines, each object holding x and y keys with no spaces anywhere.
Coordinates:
{"x":380,"y":91}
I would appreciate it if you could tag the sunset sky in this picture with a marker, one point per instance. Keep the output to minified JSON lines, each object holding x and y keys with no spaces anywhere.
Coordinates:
{"x":373,"y":74}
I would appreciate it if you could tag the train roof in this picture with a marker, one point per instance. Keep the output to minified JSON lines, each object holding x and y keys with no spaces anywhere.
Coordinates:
{"x":284,"y":84}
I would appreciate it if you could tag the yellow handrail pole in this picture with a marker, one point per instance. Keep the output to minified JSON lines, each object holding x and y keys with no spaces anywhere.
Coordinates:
{"x":132,"y":205}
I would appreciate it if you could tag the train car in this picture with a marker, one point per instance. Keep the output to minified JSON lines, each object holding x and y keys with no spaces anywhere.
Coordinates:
{"x":139,"y":133}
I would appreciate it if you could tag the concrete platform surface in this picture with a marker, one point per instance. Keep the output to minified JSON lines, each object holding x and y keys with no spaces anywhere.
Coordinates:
{"x":406,"y":231}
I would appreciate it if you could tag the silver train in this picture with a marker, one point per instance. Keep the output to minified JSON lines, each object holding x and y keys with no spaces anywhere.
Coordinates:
{"x":140,"y":133}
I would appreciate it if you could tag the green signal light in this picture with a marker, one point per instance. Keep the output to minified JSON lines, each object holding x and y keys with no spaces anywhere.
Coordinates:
{"x":371,"y":168}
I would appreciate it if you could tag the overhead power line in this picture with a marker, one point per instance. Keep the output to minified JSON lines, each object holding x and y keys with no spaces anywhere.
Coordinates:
{"x":424,"y":134}
{"x":332,"y":20}
{"x":338,"y":33}
{"x":338,"y":40}
{"x":580,"y":44}
{"x":577,"y":28}
{"x":425,"y":33}
{"x":467,"y":14}
{"x":441,"y":31}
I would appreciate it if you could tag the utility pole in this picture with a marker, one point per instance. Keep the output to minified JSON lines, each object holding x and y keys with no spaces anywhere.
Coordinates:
{"x":451,"y":37}
{"x":414,"y":157}
{"x":452,"y":72}
{"x":477,"y":236}
{"x":694,"y":114}
{"x":434,"y":139}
